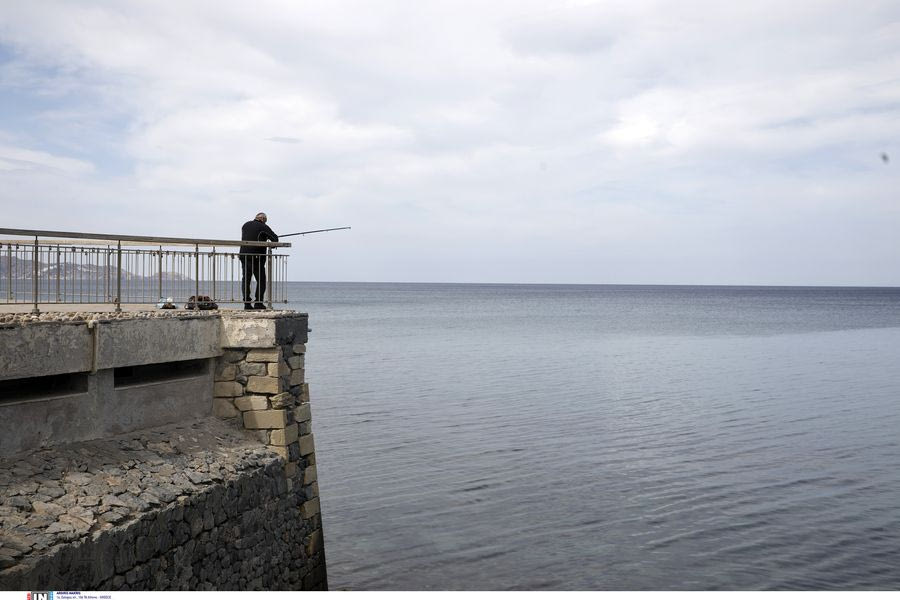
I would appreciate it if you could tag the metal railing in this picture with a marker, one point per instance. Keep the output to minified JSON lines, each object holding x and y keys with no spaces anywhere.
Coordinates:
{"x":55,"y":267}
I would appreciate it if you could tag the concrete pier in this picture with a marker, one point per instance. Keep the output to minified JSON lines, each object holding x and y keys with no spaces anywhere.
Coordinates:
{"x":178,"y":445}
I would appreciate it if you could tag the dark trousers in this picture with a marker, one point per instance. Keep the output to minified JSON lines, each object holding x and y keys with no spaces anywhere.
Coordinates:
{"x":253,"y":265}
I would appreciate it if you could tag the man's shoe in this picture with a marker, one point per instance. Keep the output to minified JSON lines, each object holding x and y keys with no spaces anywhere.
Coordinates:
{"x":248,"y":306}
{"x":259,"y":306}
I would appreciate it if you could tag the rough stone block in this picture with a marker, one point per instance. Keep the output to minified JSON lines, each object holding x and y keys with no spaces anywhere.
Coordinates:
{"x":310,"y":508}
{"x":282,"y":400}
{"x":309,"y":475}
{"x":294,"y":451}
{"x":233,"y":356}
{"x":312,"y":490}
{"x":304,"y":393}
{"x":299,"y":348}
{"x":251,"y":403}
{"x":248,"y":368}
{"x":291,"y":470}
{"x":283,"y":437}
{"x":264,"y":355}
{"x":226,"y":372}
{"x":265,"y":419}
{"x":305,"y":427}
{"x":224,"y":408}
{"x":278,"y":369}
{"x":227,"y":389}
{"x":315,"y":542}
{"x":263,"y":385}
{"x":296,"y":361}
{"x":306,"y":445}
{"x":302,"y":413}
{"x":297,"y":376}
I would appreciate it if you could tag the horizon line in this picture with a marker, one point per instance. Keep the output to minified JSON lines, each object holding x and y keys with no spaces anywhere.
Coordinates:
{"x":710,"y":285}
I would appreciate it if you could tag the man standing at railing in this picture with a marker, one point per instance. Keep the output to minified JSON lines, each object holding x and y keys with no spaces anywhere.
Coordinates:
{"x":253,"y":259}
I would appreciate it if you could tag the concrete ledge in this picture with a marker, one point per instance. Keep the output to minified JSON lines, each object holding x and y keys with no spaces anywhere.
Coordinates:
{"x":263,"y":329}
{"x":54,"y":347}
{"x":42,"y":349}
{"x":150,"y":341}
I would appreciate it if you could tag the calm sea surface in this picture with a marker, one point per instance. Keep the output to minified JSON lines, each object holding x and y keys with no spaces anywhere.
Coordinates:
{"x":606,"y":437}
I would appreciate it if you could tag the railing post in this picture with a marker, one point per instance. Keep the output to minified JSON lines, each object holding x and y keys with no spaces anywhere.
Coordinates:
{"x":284,"y":272}
{"x":213,"y":273}
{"x":58,"y":263}
{"x":108,"y":260}
{"x":160,"y":273}
{"x":34,"y":283}
{"x":197,"y":277}
{"x":9,"y":278}
{"x":271,"y":270}
{"x":118,"y":276}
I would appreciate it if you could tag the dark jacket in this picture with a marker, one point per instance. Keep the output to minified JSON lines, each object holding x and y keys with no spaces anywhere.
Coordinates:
{"x":256,"y":231}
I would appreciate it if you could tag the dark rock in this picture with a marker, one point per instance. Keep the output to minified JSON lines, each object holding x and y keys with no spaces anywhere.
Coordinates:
{"x":124,"y":559}
{"x":20,"y":502}
{"x":197,"y":477}
{"x":133,"y":503}
{"x":144,"y":549}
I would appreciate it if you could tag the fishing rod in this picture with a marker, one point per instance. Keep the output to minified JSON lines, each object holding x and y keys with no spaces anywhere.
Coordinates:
{"x":313,"y":231}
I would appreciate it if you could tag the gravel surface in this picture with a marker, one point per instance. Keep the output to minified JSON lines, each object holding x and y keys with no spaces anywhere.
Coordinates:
{"x":61,"y":494}
{"x":84,"y":316}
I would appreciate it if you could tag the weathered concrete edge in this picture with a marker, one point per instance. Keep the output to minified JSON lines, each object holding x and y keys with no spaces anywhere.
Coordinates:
{"x":42,"y":349}
{"x":149,"y":341}
{"x":263,"y":329}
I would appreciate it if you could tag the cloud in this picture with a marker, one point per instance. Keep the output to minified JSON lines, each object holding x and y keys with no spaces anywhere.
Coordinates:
{"x":22,"y":159}
{"x":645,"y":142}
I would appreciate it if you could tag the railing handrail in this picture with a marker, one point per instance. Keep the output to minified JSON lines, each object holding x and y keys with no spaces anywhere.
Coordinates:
{"x":138,"y":238}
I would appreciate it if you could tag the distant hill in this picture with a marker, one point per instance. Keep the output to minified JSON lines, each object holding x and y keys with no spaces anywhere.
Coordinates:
{"x":22,"y":269}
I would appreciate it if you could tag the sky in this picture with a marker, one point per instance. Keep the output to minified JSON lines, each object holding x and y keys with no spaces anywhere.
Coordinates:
{"x":521,"y":141}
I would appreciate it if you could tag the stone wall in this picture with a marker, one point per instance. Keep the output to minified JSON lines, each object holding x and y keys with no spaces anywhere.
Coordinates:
{"x":262,"y":386}
{"x":201,"y":505}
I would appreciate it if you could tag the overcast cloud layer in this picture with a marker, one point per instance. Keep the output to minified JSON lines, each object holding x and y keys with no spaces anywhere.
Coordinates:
{"x":582,"y":142}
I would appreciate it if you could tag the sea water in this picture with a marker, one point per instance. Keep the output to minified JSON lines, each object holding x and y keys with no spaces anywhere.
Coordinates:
{"x":606,"y":437}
